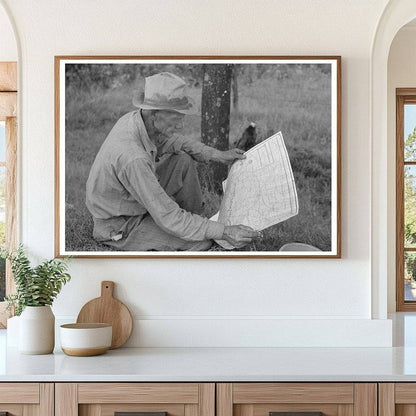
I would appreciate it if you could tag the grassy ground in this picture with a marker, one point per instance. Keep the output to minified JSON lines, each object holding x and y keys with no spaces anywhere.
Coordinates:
{"x":295,"y":101}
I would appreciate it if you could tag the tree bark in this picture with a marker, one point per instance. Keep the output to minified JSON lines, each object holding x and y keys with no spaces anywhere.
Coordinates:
{"x":215,"y":111}
{"x":235,"y":88}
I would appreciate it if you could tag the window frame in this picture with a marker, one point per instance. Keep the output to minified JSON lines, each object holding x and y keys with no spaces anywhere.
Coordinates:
{"x":403,"y":96}
{"x":8,"y":113}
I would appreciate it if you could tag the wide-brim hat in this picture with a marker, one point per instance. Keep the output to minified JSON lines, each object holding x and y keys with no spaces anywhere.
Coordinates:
{"x":164,"y":91}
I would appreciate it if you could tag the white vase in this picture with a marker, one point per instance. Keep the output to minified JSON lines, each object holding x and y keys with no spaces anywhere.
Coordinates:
{"x":13,"y":331}
{"x":37,"y":330}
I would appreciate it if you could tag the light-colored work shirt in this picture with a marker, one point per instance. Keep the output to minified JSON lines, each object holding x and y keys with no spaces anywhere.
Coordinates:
{"x":123,"y":181}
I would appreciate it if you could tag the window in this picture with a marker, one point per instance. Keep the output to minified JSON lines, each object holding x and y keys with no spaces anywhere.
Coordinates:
{"x":8,"y":166}
{"x":406,"y":199}
{"x":2,"y":206}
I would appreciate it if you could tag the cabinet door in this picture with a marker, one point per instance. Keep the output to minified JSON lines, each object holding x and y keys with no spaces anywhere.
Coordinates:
{"x":397,"y":399}
{"x":296,"y":399}
{"x":145,"y":399}
{"x":26,"y":399}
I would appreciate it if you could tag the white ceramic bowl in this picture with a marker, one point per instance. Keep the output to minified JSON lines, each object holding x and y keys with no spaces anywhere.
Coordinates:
{"x":84,"y":340}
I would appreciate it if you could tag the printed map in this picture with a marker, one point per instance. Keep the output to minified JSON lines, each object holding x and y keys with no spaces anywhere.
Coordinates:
{"x":260,"y":190}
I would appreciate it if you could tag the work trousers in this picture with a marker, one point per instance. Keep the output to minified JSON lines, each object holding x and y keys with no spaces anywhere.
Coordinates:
{"x":179,"y":178}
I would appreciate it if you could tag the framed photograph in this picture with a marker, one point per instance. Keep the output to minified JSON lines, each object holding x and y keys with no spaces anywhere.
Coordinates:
{"x":198,"y":156}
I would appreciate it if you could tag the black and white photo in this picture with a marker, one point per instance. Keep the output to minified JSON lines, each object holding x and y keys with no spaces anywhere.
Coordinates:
{"x":198,"y":157}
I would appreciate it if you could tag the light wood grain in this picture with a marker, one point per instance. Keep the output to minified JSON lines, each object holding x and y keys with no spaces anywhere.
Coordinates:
{"x":405,"y":393}
{"x":138,"y":393}
{"x":264,"y":409}
{"x":8,"y":76}
{"x":405,"y":410}
{"x":171,"y":409}
{"x":90,"y":410}
{"x":47,"y":399}
{"x":365,"y":399}
{"x":66,"y":399}
{"x":11,"y":196}
{"x":246,"y":410}
{"x":207,"y":399}
{"x":224,"y":399}
{"x":19,"y":393}
{"x":345,"y":410}
{"x":386,"y":399}
{"x":109,"y":310}
{"x":252,"y":393}
{"x":191,"y":410}
{"x":8,"y":105}
{"x":31,"y":410}
{"x":13,"y":409}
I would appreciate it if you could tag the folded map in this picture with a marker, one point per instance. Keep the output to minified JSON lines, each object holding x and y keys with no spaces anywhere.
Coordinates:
{"x":260,"y":190}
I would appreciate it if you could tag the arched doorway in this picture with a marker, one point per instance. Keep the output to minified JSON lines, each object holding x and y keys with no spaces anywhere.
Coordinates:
{"x":396,"y":14}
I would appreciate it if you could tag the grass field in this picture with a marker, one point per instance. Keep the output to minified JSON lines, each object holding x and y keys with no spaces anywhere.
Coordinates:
{"x":294,"y":100}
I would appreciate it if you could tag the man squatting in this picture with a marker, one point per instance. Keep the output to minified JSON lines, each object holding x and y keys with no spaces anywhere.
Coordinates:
{"x":143,"y":189}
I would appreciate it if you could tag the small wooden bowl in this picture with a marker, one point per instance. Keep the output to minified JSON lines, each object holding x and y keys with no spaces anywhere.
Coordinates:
{"x":84,"y":340}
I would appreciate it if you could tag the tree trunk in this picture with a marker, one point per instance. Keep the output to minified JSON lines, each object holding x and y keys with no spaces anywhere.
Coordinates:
{"x":235,"y":88}
{"x":215,"y":111}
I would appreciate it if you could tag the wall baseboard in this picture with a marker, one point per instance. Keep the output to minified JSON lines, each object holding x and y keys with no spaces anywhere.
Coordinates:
{"x":258,"y":332}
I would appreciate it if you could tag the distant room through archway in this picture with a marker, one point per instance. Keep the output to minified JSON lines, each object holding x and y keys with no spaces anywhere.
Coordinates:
{"x":8,"y":151}
{"x":397,"y":14}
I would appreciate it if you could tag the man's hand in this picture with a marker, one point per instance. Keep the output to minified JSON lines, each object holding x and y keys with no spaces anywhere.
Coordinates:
{"x":229,"y":156}
{"x":239,"y":235}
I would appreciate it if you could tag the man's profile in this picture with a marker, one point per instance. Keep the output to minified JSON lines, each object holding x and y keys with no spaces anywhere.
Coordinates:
{"x":143,"y":189}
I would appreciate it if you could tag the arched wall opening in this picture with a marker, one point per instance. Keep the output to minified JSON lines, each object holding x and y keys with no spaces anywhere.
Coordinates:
{"x":401,"y":74}
{"x":396,"y":14}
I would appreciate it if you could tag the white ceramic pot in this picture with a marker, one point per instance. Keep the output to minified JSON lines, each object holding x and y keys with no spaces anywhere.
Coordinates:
{"x":37,"y":330}
{"x":13,"y":331}
{"x":85,"y":339}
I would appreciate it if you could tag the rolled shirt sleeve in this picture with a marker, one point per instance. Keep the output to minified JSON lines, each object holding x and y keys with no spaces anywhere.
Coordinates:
{"x":194,"y":148}
{"x":140,"y":181}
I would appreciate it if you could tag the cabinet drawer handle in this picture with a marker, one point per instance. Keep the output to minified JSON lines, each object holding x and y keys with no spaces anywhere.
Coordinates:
{"x":138,"y":414}
{"x":296,"y":414}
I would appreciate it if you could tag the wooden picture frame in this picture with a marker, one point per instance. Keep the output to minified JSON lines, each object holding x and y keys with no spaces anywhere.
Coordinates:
{"x":299,"y":96}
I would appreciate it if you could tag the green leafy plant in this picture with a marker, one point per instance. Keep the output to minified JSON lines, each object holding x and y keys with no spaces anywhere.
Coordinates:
{"x":35,"y":286}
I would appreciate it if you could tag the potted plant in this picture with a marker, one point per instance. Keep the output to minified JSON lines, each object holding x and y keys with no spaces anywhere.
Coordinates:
{"x":36,"y":289}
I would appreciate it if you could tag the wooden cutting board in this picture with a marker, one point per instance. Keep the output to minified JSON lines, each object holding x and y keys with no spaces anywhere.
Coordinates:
{"x":107,"y":309}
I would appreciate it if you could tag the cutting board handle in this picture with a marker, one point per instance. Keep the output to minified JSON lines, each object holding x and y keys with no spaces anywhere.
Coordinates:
{"x":107,"y":289}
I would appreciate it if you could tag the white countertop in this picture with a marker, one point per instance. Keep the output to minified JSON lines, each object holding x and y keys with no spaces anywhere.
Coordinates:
{"x":222,"y":364}
{"x":213,"y":364}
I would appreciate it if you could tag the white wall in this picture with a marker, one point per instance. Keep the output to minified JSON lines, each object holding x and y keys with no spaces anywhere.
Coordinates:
{"x":401,"y":74}
{"x":179,"y":302}
{"x":8,"y":47}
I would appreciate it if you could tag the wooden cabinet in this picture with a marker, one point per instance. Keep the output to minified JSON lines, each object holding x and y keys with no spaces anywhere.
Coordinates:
{"x":27,"y":399}
{"x":106,"y":399}
{"x":397,"y":399}
{"x":208,"y":399}
{"x":297,"y":399}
